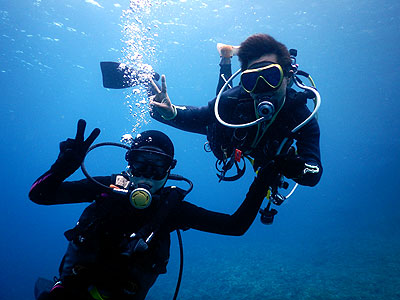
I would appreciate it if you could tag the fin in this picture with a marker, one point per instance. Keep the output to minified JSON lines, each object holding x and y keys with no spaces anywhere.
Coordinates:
{"x":119,"y":76}
{"x":42,"y":285}
{"x":114,"y":76}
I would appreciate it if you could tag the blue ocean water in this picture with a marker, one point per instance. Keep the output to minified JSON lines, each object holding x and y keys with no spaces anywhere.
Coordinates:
{"x":339,"y":240}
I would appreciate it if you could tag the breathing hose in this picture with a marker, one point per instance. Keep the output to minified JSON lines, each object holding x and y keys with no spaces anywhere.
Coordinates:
{"x":297,"y":81}
{"x":317,"y":104}
{"x":216,"y":105}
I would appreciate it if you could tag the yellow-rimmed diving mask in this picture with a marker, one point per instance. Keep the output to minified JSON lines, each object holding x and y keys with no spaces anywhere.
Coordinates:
{"x":262,"y":77}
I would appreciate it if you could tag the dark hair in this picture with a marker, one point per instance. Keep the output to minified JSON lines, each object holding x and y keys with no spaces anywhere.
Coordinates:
{"x":260,"y":44}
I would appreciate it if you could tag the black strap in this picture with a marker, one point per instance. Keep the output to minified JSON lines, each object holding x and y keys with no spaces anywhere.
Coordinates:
{"x":239,"y":172}
{"x":169,"y":203}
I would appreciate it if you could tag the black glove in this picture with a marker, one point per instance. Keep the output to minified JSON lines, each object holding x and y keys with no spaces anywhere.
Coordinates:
{"x":73,"y":151}
{"x":290,"y":165}
{"x":267,"y":175}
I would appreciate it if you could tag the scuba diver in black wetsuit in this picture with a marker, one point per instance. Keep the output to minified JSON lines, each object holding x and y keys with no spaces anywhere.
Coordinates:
{"x":121,"y":243}
{"x":259,"y":119}
{"x":253,"y":118}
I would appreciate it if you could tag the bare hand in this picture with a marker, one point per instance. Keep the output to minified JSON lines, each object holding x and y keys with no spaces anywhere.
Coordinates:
{"x":161,"y":102}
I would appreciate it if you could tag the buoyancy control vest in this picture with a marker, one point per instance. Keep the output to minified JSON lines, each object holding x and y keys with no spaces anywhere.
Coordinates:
{"x":238,"y":107}
{"x":110,"y":219}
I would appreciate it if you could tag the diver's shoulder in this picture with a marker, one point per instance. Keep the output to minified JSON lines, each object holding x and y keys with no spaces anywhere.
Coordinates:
{"x":295,"y":98}
{"x":177,"y":191}
{"x":236,"y":92}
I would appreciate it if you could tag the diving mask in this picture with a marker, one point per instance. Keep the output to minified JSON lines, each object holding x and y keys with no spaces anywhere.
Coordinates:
{"x":149,"y":164}
{"x":265,"y":78}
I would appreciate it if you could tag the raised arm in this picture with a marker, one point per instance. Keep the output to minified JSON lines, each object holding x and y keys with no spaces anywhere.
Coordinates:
{"x":47,"y":189}
{"x":187,"y":118}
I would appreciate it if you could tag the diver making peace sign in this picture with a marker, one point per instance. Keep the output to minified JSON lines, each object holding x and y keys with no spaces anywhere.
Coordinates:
{"x":121,"y":242}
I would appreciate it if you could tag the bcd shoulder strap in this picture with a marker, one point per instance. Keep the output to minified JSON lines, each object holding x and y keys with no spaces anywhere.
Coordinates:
{"x":170,"y":198}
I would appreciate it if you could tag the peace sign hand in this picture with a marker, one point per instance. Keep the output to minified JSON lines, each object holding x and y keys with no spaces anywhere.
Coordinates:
{"x":161,"y":102}
{"x":73,"y":151}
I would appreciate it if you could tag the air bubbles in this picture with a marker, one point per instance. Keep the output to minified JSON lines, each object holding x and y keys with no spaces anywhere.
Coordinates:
{"x":58,"y":24}
{"x":127,"y":138}
{"x":138,"y":53}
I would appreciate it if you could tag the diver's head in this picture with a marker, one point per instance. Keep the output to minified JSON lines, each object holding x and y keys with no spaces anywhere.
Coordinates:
{"x":266,"y":69}
{"x":150,"y":160}
{"x":266,"y":83}
{"x":258,"y":45}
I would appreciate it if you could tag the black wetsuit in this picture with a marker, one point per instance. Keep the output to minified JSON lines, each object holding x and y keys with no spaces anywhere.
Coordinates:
{"x":237,"y":107}
{"x":96,"y":243}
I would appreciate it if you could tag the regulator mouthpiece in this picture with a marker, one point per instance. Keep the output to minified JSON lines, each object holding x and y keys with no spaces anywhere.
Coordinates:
{"x":140,"y":197}
{"x":266,"y":110}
